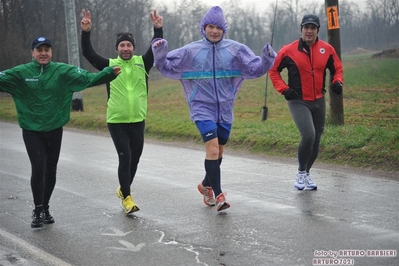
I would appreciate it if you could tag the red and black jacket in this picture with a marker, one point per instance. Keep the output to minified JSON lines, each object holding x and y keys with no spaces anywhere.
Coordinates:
{"x":306,"y":68}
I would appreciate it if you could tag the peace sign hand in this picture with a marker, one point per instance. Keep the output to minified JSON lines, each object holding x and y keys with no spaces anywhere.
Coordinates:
{"x":85,"y":23}
{"x":157,"y":21}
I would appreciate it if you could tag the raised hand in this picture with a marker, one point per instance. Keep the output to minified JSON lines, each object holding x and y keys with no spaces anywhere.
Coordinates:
{"x":157,"y":21}
{"x":85,"y":23}
{"x":158,"y":43}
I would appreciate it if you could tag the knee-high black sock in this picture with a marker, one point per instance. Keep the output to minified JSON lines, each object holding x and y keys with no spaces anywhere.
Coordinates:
{"x":206,"y":181}
{"x":212,"y":169}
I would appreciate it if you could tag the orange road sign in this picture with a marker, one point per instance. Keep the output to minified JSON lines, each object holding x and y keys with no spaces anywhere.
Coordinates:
{"x":332,"y":17}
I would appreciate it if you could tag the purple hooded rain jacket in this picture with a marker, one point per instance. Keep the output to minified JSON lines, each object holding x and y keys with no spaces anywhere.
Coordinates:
{"x":212,"y":73}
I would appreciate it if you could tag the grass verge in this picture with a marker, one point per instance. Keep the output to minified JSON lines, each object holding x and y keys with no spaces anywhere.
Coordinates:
{"x":369,"y":138}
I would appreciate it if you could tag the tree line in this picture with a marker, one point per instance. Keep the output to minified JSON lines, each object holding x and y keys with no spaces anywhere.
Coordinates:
{"x":373,"y":28}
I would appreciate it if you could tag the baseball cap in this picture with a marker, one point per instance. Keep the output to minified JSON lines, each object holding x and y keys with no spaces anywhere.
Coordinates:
{"x":39,"y":41}
{"x":310,"y":19}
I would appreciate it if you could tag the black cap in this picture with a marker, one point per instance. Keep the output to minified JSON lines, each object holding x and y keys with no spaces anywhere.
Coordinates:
{"x":39,"y":41}
{"x":311,"y":19}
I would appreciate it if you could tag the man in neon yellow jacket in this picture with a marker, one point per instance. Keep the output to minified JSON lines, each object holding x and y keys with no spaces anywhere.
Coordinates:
{"x":42,"y":91}
{"x":127,"y":101}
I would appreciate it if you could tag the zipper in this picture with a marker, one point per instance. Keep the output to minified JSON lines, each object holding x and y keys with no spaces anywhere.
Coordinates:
{"x":41,"y":72}
{"x":313,"y":78}
{"x":218,"y":114}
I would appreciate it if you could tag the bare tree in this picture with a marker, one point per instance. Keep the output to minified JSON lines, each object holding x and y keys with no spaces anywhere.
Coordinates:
{"x":248,"y":29}
{"x":182,"y":21}
{"x":350,"y":21}
{"x":377,"y":27}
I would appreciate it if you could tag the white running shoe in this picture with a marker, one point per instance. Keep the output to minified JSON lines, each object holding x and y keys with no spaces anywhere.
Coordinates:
{"x":221,"y":203}
{"x":207,"y":192}
{"x":309,"y":184}
{"x":300,"y":181}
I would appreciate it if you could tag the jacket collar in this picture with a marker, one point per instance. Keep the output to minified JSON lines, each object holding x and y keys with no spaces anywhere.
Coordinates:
{"x":35,"y":63}
{"x":302,"y":46}
{"x":123,"y":60}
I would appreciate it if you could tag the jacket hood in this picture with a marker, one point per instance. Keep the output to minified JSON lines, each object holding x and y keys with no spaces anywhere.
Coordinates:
{"x":214,"y":16}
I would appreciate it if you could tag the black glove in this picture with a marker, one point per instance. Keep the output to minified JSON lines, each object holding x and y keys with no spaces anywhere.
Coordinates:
{"x":290,"y":94}
{"x":337,"y":88}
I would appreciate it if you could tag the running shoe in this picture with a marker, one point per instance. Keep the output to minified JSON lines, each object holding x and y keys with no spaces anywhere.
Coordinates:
{"x":37,"y":219}
{"x":309,"y":184}
{"x":221,"y":203}
{"x":128,"y":205}
{"x":300,"y":181}
{"x":47,"y":217}
{"x":207,"y":192}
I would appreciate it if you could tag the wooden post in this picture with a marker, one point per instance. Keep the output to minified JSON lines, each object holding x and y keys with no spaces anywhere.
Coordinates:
{"x":333,"y":34}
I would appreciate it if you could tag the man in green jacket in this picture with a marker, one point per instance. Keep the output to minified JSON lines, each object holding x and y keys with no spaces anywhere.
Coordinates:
{"x":42,"y":92}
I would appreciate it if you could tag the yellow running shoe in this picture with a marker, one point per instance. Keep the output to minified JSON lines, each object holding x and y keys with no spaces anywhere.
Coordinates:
{"x":128,"y":205}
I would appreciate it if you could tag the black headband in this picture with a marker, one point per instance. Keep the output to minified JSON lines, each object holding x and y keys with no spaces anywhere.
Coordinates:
{"x":125,"y":38}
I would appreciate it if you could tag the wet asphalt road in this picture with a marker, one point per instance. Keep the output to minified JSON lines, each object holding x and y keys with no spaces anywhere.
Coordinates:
{"x":269,"y":223}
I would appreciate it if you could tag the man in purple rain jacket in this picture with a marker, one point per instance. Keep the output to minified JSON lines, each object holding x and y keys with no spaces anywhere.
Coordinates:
{"x":211,"y":71}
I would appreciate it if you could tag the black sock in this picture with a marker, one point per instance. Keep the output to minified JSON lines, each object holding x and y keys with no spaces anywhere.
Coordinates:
{"x":206,"y":181}
{"x":212,"y":169}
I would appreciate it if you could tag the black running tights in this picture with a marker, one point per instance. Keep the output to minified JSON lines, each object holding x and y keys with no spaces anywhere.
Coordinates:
{"x":128,"y":139}
{"x":44,"y":151}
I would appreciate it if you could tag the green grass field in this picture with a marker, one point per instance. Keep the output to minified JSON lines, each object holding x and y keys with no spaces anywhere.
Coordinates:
{"x":368,"y":139}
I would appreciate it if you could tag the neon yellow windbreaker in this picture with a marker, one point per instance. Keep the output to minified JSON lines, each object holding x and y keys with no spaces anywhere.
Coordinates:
{"x":128,"y":95}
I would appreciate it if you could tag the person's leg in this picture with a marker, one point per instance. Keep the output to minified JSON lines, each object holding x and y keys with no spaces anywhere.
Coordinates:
{"x":120,"y":136}
{"x":36,"y":152}
{"x":212,"y":166}
{"x":302,"y":116}
{"x":136,"y":142}
{"x":206,"y":181}
{"x":303,"y":120}
{"x":223,"y":136}
{"x":318,"y":109}
{"x":223,"y":132}
{"x":35,"y":148}
{"x":319,"y":120}
{"x":53,"y":140}
{"x":214,"y":147}
{"x":212,"y":169}
{"x":208,"y":131}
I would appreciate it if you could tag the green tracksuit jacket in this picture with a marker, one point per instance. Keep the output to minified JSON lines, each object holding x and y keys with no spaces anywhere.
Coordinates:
{"x":43,"y":93}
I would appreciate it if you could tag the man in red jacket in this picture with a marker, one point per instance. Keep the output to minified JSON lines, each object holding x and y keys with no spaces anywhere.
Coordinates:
{"x":306,"y":60}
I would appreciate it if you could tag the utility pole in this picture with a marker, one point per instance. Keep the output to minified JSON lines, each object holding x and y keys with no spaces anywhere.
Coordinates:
{"x":73,"y":48}
{"x":333,"y":34}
